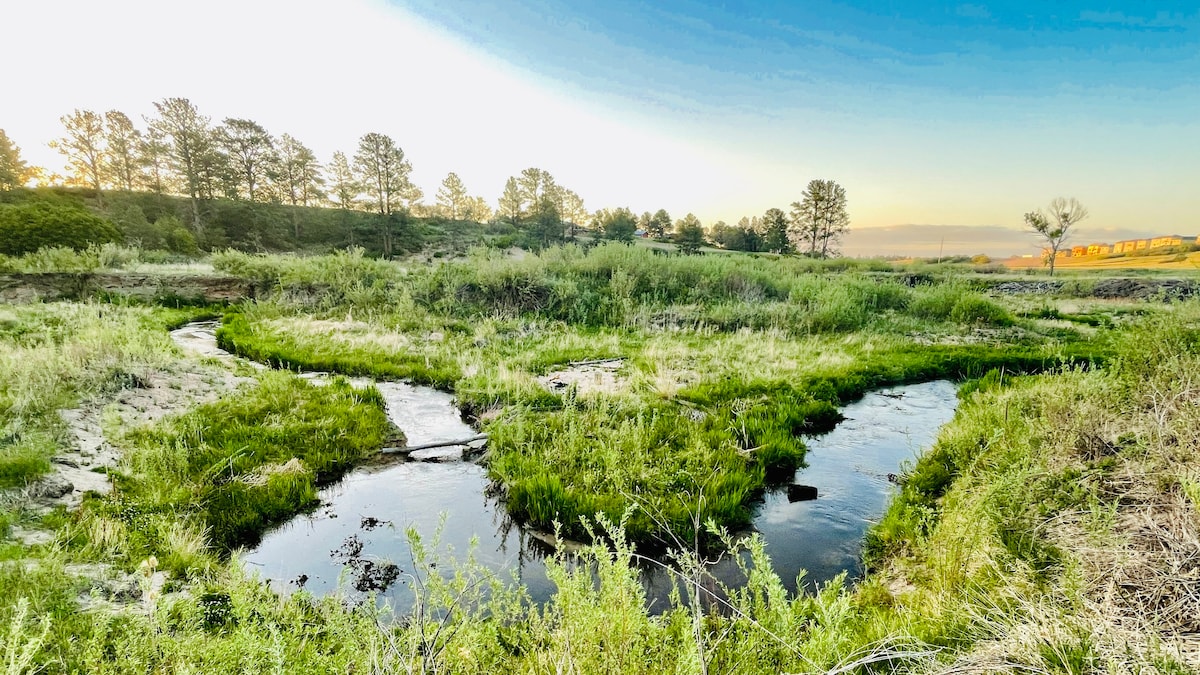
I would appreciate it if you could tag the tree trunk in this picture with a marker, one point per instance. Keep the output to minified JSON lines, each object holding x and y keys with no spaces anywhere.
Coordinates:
{"x":196,"y":216}
{"x":99,"y":194}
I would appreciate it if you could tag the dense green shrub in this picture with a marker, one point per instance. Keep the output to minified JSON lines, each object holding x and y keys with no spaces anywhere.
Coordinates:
{"x":29,"y":226}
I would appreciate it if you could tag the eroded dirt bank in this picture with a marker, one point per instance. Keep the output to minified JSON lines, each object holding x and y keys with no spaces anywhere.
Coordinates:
{"x":51,"y":286}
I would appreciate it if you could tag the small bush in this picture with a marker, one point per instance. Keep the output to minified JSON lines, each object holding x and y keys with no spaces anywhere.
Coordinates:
{"x":976,"y":309}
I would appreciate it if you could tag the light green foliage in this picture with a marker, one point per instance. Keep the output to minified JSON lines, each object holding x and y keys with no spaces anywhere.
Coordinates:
{"x":955,"y":302}
{"x":92,"y":259}
{"x":13,"y":170}
{"x":23,"y":639}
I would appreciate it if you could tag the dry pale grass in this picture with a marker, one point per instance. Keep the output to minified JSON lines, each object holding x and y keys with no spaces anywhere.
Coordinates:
{"x":262,"y":474}
{"x":349,"y":332}
{"x":1133,"y":591}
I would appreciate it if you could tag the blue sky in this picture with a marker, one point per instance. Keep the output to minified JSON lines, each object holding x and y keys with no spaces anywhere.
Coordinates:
{"x":940,"y":113}
{"x":768,"y":57}
{"x":962,"y":115}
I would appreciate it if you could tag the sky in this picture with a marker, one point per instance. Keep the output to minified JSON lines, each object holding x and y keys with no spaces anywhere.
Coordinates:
{"x":945,"y":122}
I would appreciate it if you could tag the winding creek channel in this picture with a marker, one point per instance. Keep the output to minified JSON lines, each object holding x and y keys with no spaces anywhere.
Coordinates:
{"x":370,"y":509}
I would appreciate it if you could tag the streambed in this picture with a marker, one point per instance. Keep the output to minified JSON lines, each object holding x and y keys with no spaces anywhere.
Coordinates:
{"x":369,"y":510}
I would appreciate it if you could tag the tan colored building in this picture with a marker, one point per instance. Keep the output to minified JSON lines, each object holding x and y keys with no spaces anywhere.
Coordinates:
{"x":1170,"y":240}
{"x":1126,"y":246}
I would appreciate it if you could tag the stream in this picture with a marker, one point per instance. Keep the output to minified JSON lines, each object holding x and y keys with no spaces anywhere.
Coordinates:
{"x":446,"y":499}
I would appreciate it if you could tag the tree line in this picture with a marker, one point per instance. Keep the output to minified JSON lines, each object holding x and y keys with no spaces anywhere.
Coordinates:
{"x":182,"y":153}
{"x":814,"y":227}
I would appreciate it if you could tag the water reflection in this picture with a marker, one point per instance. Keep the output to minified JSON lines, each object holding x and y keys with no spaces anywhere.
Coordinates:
{"x":849,"y":467}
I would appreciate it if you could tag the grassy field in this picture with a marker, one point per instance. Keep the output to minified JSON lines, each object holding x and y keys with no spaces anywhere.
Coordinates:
{"x":1173,"y":261}
{"x":724,"y":365}
{"x":1052,"y":528}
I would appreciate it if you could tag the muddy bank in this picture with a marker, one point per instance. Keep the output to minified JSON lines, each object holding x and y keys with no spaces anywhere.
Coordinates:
{"x":50,"y":286}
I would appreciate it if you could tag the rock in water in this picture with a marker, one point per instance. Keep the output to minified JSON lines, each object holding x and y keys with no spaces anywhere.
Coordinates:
{"x":801,"y":493}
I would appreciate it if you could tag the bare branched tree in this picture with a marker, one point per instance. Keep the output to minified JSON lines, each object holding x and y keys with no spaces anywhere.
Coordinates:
{"x":1054,"y":224}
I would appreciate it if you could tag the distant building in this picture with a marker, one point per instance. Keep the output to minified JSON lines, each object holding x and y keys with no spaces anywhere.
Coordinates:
{"x":1126,"y":246}
{"x":1169,"y":240}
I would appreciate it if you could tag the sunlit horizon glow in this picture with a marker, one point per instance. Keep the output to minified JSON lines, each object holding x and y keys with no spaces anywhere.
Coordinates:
{"x":964,"y":115}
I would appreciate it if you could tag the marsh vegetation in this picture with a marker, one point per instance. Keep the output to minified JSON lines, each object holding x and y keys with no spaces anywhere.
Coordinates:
{"x":1052,"y":527}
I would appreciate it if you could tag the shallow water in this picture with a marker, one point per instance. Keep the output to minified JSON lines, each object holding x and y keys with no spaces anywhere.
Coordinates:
{"x":440,"y":497}
{"x":849,"y":467}
{"x":375,"y":505}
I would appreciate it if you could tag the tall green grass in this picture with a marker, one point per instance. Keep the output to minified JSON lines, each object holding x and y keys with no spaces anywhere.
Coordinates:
{"x":622,"y":286}
{"x":730,"y":361}
{"x":288,"y":351}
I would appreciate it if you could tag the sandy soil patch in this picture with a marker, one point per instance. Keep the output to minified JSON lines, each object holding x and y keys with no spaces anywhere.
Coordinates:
{"x":589,"y":377}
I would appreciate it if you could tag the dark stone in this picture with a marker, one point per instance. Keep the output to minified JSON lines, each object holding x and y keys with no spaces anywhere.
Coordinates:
{"x":125,"y":590}
{"x":801,"y":493}
{"x":51,"y":487}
